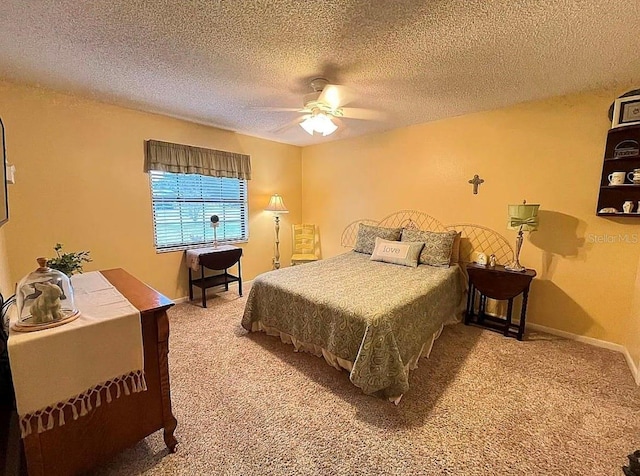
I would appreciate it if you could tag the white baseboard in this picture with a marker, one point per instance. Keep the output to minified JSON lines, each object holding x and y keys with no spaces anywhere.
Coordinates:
{"x":591,"y":341}
{"x":186,"y":298}
{"x":632,"y":365}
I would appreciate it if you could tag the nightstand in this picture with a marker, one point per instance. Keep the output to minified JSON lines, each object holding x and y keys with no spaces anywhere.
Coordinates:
{"x":500,"y":284}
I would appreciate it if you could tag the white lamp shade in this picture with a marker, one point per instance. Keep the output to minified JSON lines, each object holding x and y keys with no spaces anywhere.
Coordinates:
{"x":308,"y":126}
{"x":276,"y":205}
{"x":320,"y":123}
{"x":325,"y":125}
{"x":523,"y":215}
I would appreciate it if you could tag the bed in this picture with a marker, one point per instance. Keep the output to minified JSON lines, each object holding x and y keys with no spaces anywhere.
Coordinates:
{"x":374,"y":319}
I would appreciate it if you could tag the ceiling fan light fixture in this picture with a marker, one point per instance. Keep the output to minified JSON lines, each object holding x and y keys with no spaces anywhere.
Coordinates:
{"x":320,"y":123}
{"x":308,"y":125}
{"x":330,"y":128}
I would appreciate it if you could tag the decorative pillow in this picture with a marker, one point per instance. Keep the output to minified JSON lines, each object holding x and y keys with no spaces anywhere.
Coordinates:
{"x":397,"y":252}
{"x":367,"y":234}
{"x":455,"y":250}
{"x":437,"y":246}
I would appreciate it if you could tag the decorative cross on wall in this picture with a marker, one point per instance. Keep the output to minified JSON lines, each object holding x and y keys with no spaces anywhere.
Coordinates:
{"x":476,"y":180}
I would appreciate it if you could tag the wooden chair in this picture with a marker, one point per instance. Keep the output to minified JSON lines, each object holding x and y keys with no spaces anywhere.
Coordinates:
{"x":306,"y":244}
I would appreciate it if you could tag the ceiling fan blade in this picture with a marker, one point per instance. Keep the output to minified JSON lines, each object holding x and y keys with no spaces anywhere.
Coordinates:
{"x":336,"y":96}
{"x":343,"y":128}
{"x":364,"y":114}
{"x":289,"y":125}
{"x":275,"y":109}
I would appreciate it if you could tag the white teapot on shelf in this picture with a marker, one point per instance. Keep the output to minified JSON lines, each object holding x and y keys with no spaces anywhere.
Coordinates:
{"x":627,"y":206}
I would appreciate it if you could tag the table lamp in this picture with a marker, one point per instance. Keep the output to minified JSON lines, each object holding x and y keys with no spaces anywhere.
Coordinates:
{"x":276,"y":205}
{"x":522,"y":218}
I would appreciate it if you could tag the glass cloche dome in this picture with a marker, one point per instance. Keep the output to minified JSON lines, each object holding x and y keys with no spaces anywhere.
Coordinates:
{"x":44,"y":298}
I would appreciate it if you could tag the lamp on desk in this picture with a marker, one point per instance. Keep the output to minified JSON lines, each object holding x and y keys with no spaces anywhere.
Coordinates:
{"x":215,"y":223}
{"x":522,"y":218}
{"x":276,"y":205}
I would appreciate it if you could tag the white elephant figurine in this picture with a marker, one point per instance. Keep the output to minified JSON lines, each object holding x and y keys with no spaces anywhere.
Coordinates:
{"x":46,"y":307}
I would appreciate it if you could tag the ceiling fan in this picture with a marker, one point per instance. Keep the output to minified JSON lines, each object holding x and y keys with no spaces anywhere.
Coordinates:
{"x":324,"y":105}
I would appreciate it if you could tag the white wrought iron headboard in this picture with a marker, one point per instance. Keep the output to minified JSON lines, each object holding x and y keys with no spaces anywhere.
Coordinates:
{"x":474,"y":238}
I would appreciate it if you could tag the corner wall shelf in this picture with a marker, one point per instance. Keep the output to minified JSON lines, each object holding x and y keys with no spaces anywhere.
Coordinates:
{"x":622,"y":154}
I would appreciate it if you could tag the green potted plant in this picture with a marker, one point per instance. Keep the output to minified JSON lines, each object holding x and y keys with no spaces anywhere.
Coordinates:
{"x":68,"y":263}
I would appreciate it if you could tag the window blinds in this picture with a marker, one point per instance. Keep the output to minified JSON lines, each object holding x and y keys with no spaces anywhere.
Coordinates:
{"x":183,"y":205}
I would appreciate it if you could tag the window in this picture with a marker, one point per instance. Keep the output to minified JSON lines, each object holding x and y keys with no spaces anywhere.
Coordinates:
{"x":183,"y":205}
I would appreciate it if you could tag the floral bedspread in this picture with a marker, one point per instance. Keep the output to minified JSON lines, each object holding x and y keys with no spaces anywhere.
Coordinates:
{"x":376,"y":315}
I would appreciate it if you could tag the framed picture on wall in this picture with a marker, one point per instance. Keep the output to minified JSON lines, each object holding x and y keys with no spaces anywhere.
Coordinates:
{"x":626,"y":111}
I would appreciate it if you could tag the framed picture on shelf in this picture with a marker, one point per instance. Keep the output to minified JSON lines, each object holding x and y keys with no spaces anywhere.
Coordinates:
{"x":626,"y":111}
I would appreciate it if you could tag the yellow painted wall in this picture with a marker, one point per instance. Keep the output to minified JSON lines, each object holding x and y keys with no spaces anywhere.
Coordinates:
{"x":548,"y":152}
{"x":6,"y":285}
{"x":80,"y":181}
{"x":633,"y":341}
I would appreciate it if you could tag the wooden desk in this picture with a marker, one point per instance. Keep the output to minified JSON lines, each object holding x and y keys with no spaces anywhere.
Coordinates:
{"x":81,"y":444}
{"x":217,"y":259}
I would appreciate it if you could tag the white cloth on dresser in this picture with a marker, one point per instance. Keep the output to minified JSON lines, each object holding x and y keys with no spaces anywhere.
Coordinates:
{"x":69,"y":365}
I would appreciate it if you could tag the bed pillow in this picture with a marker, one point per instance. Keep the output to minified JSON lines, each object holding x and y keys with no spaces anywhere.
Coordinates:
{"x":437,"y":246}
{"x":367,"y":234}
{"x":455,"y":250}
{"x":404,"y":253}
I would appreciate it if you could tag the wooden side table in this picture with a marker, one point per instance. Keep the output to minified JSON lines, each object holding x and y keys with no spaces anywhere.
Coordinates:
{"x":501,"y":284}
{"x":217,"y":259}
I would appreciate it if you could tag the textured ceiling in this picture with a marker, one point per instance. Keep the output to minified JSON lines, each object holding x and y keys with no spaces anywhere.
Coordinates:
{"x":216,"y":61}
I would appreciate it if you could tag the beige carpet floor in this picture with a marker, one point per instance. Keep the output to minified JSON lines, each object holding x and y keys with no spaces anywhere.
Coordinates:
{"x":482,"y":404}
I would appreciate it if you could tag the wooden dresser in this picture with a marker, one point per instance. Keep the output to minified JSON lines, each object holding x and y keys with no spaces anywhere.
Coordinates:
{"x":81,"y":444}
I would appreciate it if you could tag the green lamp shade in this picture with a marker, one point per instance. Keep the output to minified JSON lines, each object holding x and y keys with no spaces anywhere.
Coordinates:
{"x":523,"y":215}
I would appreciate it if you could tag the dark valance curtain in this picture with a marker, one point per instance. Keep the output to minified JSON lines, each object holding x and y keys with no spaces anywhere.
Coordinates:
{"x":185,"y":159}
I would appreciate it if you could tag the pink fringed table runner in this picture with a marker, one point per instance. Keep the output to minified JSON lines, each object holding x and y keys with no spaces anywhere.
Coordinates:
{"x":68,"y":366}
